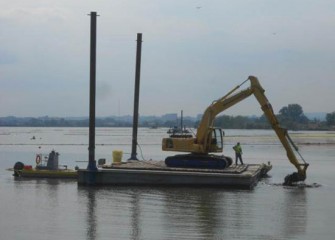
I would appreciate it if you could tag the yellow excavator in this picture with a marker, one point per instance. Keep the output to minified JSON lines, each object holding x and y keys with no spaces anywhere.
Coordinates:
{"x":208,"y":139}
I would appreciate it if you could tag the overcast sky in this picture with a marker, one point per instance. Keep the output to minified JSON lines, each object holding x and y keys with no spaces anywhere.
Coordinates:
{"x":193,"y":52}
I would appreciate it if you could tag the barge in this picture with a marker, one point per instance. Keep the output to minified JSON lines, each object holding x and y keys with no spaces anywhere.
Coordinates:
{"x":155,"y":173}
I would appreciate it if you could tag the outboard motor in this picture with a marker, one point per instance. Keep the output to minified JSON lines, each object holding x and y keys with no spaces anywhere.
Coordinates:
{"x":17,"y":168}
{"x":53,"y":160}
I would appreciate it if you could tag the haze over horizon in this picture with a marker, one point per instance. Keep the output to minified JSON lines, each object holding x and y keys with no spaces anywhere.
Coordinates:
{"x":193,"y":52}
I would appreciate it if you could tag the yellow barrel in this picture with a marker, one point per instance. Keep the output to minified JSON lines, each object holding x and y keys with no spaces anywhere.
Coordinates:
{"x":117,"y":156}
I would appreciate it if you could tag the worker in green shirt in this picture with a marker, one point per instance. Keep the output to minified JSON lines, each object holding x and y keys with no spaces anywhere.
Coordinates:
{"x":238,"y":153}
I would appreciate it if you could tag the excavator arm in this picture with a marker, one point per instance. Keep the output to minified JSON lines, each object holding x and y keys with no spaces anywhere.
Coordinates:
{"x":282,"y":134}
{"x":257,"y":90}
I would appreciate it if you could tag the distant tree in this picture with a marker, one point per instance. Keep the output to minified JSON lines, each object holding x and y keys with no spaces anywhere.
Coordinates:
{"x":330,"y":119}
{"x":292,"y":116}
{"x":294,"y":113}
{"x":263,"y":122}
{"x":238,"y":122}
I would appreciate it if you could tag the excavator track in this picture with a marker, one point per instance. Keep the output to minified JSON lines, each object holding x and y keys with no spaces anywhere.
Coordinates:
{"x":198,"y":161}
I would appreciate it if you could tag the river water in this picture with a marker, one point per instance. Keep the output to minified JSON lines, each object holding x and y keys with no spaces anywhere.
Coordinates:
{"x":60,"y":209}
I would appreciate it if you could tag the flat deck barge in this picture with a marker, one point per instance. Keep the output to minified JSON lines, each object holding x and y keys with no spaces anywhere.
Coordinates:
{"x":157,"y":173}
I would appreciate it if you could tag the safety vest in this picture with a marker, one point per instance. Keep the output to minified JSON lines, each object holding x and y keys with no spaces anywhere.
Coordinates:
{"x":237,"y":148}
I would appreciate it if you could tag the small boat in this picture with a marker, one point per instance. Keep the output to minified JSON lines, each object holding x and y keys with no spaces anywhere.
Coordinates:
{"x":179,"y":132}
{"x":46,"y":167}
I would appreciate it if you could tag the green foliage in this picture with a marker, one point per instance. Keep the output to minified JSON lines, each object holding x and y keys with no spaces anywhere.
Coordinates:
{"x":292,"y":116}
{"x":241,"y":122}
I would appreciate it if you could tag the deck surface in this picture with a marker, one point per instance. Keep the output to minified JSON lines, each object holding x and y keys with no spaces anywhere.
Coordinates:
{"x":160,"y":165}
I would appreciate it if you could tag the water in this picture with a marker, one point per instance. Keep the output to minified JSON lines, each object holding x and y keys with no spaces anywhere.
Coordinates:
{"x":60,"y":209}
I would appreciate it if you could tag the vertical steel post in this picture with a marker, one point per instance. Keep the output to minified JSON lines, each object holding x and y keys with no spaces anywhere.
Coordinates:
{"x":91,"y":148}
{"x":136,"y":96}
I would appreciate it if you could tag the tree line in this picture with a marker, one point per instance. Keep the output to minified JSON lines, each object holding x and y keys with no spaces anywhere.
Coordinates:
{"x":290,"y":117}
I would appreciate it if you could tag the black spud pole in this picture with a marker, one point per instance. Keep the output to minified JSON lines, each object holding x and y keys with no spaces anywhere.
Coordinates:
{"x":136,"y":96}
{"x":91,"y":145}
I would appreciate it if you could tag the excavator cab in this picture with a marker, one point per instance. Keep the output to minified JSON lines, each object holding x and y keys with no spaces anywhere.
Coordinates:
{"x":185,"y":143}
{"x":216,"y":140}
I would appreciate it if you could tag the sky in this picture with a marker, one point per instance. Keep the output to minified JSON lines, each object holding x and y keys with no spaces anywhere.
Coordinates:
{"x":193,"y":52}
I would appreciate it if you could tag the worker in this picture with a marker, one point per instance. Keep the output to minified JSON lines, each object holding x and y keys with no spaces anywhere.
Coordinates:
{"x":238,"y":153}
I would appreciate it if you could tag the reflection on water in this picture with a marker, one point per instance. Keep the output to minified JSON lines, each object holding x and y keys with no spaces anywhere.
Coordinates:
{"x":174,"y":213}
{"x":186,"y":212}
{"x":295,"y":219}
{"x":91,"y":215}
{"x":135,"y":216}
